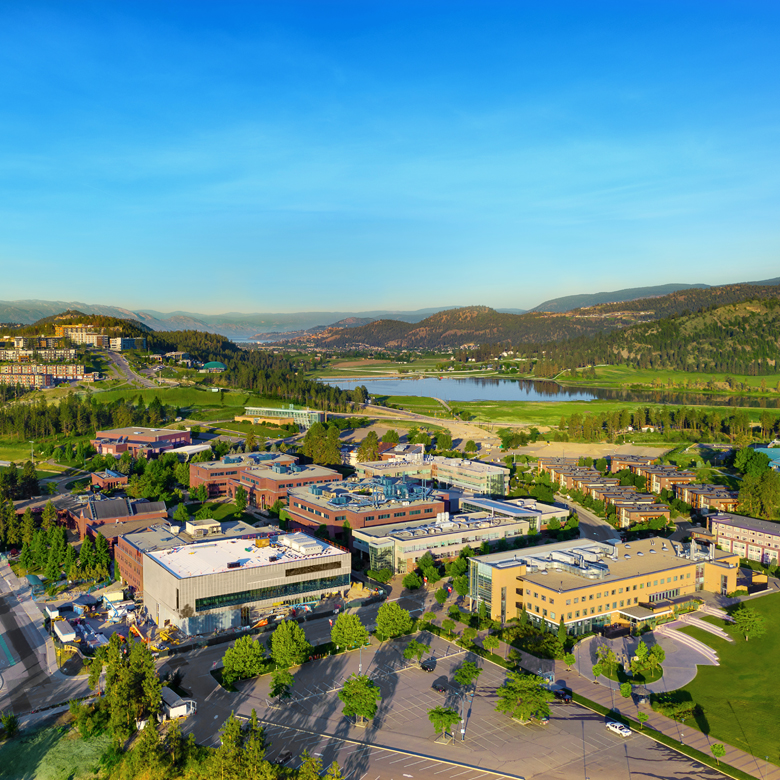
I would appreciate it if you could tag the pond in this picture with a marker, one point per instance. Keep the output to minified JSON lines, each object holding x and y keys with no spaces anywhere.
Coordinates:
{"x":496,"y":389}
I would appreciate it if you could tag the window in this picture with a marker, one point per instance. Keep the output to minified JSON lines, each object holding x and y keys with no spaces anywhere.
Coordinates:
{"x":620,"y":590}
{"x":675,"y":578}
{"x":313,"y":569}
{"x":634,"y":588}
{"x":552,"y":615}
{"x":614,"y":605}
{"x":635,"y":599}
{"x":655,"y":582}
{"x":577,"y":614}
{"x":568,"y":616}
{"x":568,"y":602}
{"x":552,"y":601}
{"x":590,"y":598}
{"x":383,"y":517}
{"x":544,"y":598}
{"x":576,"y":601}
{"x":641,"y":585}
{"x":613,"y":592}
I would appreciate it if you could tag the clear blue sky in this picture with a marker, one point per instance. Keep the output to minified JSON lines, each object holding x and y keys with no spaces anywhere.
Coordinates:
{"x":289,"y":156}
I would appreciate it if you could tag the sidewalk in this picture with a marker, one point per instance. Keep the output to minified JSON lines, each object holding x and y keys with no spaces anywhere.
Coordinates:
{"x":611,"y":699}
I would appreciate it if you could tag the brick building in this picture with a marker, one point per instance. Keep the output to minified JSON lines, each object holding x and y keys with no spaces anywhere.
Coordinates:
{"x":109,"y":479}
{"x":707,"y":497}
{"x":97,"y":514}
{"x":138,"y":441}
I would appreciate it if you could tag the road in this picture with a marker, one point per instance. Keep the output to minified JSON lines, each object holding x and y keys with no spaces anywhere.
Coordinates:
{"x":124,"y":370}
{"x":591,"y":526}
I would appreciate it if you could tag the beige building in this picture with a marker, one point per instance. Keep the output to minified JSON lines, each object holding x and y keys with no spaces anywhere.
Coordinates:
{"x":591,"y":584}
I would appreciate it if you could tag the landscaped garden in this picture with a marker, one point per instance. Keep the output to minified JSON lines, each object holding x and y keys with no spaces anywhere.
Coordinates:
{"x":737,"y":699}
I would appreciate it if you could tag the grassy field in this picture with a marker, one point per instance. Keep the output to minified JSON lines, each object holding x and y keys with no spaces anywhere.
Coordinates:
{"x":740,"y":704}
{"x":623,"y":376}
{"x":415,"y":403}
{"x":550,"y":412}
{"x":51,"y":754}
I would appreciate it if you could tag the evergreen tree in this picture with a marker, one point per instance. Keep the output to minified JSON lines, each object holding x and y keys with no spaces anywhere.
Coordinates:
{"x":181,"y":515}
{"x":28,"y":526}
{"x":49,"y":516}
{"x":13,"y":530}
{"x":28,"y":484}
{"x":87,"y":554}
{"x":230,"y":754}
{"x":102,"y":553}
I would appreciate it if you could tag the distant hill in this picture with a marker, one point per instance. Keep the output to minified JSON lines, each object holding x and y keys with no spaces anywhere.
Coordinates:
{"x":571,"y":302}
{"x":482,"y":325}
{"x":740,"y":337}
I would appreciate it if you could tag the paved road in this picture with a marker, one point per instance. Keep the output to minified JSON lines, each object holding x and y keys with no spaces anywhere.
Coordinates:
{"x":591,"y":526}
{"x":123,"y":368}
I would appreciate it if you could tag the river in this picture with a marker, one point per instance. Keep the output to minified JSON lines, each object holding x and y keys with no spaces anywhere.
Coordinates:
{"x":496,"y":389}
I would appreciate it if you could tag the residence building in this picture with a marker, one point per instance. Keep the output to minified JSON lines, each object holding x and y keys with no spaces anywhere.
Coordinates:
{"x":707,"y":497}
{"x":746,"y":537}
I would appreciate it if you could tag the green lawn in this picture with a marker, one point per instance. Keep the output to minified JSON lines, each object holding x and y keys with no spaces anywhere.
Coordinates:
{"x":226,"y":511}
{"x":740,"y":704}
{"x":51,"y":754}
{"x":415,"y":403}
{"x":623,"y":376}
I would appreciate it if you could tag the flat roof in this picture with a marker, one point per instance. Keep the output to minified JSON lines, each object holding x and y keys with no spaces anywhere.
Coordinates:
{"x":749,"y":523}
{"x":519,"y":507}
{"x":248,"y":459}
{"x":302,"y":471}
{"x":476,"y":466}
{"x":135,"y":430}
{"x":645,"y":557}
{"x":196,"y":560}
{"x":164,"y":537}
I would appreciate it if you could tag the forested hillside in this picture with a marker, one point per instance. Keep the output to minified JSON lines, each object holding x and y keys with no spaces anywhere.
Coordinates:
{"x":741,"y":338}
{"x":483,"y":325}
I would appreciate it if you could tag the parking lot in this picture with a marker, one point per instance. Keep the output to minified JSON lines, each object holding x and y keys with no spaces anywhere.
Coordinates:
{"x":400,"y":741}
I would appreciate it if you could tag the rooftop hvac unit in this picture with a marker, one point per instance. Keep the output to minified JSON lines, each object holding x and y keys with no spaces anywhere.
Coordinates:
{"x":234,"y":564}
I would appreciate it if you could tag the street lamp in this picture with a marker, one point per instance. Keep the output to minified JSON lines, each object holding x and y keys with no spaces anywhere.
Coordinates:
{"x":32,"y":452}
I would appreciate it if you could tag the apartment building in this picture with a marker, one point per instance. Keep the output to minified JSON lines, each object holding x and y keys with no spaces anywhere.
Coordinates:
{"x":59,"y":371}
{"x":36,"y":381}
{"x":746,"y":537}
{"x":703,"y":497}
{"x":591,"y":584}
{"x":630,"y":462}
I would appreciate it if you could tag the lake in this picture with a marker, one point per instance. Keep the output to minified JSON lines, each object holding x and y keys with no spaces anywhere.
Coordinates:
{"x":496,"y":389}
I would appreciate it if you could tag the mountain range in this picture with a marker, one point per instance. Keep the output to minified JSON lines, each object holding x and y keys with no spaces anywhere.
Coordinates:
{"x":277,"y":326}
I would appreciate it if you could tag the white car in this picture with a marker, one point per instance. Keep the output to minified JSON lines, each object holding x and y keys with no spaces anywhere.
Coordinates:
{"x":618,"y":728}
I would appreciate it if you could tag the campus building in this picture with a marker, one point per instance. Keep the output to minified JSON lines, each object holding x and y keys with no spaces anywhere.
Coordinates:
{"x":111,"y":517}
{"x":399,"y":546}
{"x":130,"y":548}
{"x":469,"y":475}
{"x":218,"y":475}
{"x":591,"y":584}
{"x":37,"y":381}
{"x":369,"y":502}
{"x":303,"y":418}
{"x":630,"y":462}
{"x":704,"y":497}
{"x":120,"y":343}
{"x":746,"y":537}
{"x":109,"y":479}
{"x":267,"y":485}
{"x":202,"y":588}
{"x":138,"y":441}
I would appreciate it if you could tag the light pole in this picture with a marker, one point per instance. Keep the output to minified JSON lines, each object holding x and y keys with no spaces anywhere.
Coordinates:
{"x":360,"y":664}
{"x":32,"y":452}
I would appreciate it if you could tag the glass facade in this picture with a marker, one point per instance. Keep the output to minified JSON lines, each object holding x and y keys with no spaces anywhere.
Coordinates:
{"x":277,"y":592}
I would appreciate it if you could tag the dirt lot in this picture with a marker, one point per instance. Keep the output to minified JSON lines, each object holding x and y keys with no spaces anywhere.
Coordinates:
{"x":572,"y":450}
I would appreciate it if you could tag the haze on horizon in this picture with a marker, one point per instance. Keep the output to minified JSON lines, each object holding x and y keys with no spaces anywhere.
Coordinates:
{"x":343,"y":156}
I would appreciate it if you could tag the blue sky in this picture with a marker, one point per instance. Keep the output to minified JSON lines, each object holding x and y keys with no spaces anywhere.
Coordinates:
{"x":351,"y":156}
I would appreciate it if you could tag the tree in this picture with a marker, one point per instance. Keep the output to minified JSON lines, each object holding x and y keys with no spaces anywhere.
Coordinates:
{"x":230,"y":753}
{"x":491,"y":642}
{"x":391,"y":437}
{"x":102,"y":553}
{"x":412,"y":581}
{"x":461,"y":585}
{"x":429,"y":617}
{"x":523,"y":695}
{"x":28,"y":526}
{"x":441,"y":596}
{"x":289,"y":646}
{"x":642,"y":717}
{"x":369,"y":448}
{"x":310,"y":767}
{"x":469,"y":634}
{"x":181,"y":515}
{"x":148,"y":750}
{"x":598,"y":670}
{"x":334,"y":772}
{"x":240,"y":499}
{"x":749,"y":622}
{"x":243,"y":660}
{"x":569,"y":659}
{"x":444,"y":440}
{"x":443,"y":718}
{"x":448,"y":625}
{"x":250,"y":442}
{"x":470,"y":446}
{"x":523,"y":616}
{"x":625,"y":690}
{"x":655,"y":658}
{"x":414,"y":649}
{"x":562,"y":634}
{"x":607,"y":659}
{"x":360,"y":696}
{"x":87,"y":554}
{"x":49,"y":517}
{"x":348,"y":631}
{"x":392,"y":620}
{"x":718,"y":751}
{"x":467,"y":673}
{"x":10,"y":723}
{"x":281,"y":684}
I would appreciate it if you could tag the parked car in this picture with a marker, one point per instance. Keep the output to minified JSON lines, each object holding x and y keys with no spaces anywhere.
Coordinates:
{"x":429,"y":665}
{"x":563,"y":696}
{"x":618,"y":728}
{"x":283,"y":758}
{"x":542,"y":720}
{"x":439,"y":687}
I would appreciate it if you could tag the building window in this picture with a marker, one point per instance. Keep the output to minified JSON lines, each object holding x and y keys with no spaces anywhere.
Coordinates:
{"x":576,"y":601}
{"x":568,"y":603}
{"x":568,"y":616}
{"x":577,"y":614}
{"x":552,"y":615}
